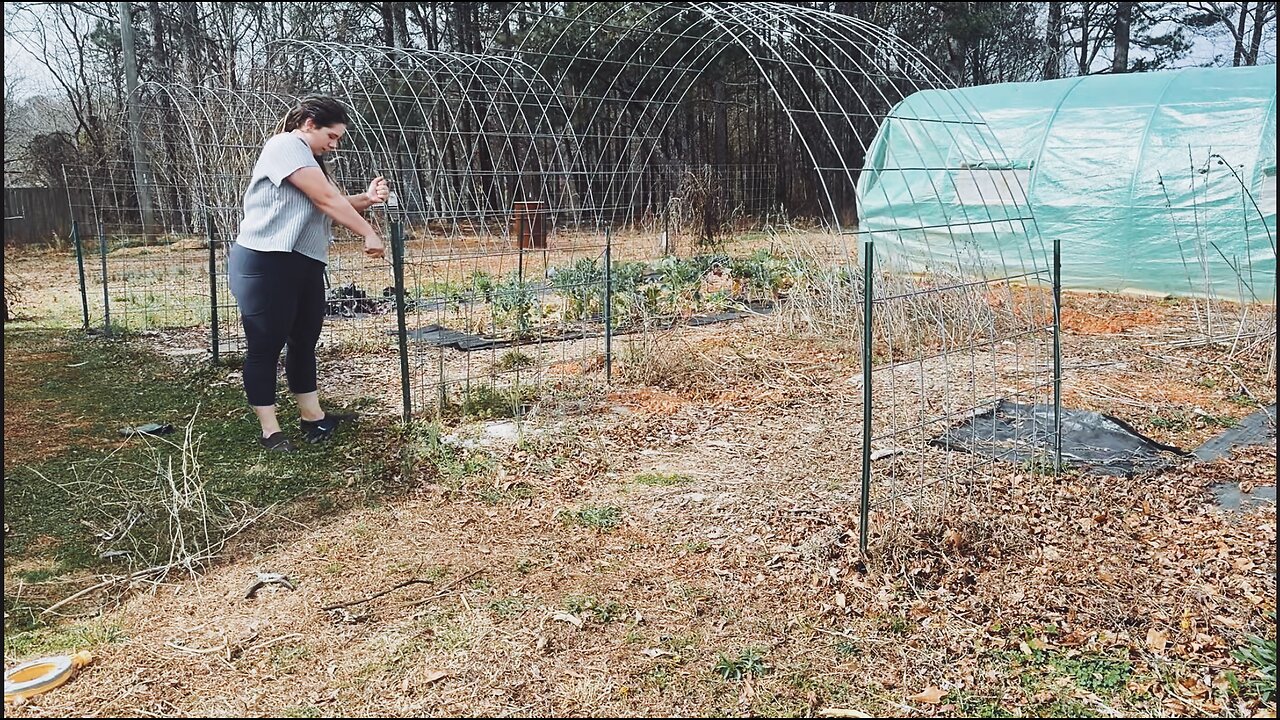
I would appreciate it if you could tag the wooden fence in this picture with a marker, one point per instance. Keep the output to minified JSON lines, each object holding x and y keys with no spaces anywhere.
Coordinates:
{"x":36,"y":215}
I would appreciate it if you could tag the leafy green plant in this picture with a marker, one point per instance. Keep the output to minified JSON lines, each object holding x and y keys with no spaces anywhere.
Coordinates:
{"x":747,"y":662}
{"x":482,"y":283}
{"x":718,"y":301}
{"x":679,"y":285}
{"x":513,"y":359}
{"x":1260,"y":653}
{"x":627,"y":298}
{"x":581,"y":286}
{"x":487,"y":402}
{"x":1164,"y":422}
{"x":1223,"y":421}
{"x":510,"y":301}
{"x":604,"y":612}
{"x":507,"y":607}
{"x":761,"y":274}
{"x":1242,"y":399}
{"x":1101,"y":675}
{"x":1039,"y":464}
{"x":438,"y":289}
{"x":600,"y":517}
{"x":848,"y":649}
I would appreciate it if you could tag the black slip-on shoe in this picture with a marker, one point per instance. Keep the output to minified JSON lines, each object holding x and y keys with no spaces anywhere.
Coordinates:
{"x":320,"y":430}
{"x":277,"y":442}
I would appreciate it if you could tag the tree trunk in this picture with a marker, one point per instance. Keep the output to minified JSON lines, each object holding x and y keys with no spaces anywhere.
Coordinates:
{"x":388,"y":24}
{"x":1124,"y":22}
{"x":229,"y":27}
{"x":1262,"y":12}
{"x":426,"y":24}
{"x":1082,"y":60}
{"x":1238,"y":55}
{"x":158,"y":55}
{"x":722,"y":125}
{"x":954,"y":18}
{"x":1053,"y":42}
{"x":188,"y":35}
{"x":400,"y":18}
{"x":468,"y":32}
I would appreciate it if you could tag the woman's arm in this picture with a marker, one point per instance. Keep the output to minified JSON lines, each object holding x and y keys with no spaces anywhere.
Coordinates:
{"x":325,"y":196}
{"x":377,"y":193}
{"x":360,"y":202}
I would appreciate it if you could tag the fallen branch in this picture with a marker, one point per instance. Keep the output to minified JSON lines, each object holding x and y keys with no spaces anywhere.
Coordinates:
{"x":196,"y":651}
{"x":443,"y":591}
{"x":162,"y":570}
{"x":1198,"y":342}
{"x":273,"y":641}
{"x":375,"y":596}
{"x":388,"y":591}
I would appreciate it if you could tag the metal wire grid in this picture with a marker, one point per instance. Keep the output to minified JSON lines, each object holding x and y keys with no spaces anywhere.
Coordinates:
{"x":581,"y":111}
{"x":833,"y":80}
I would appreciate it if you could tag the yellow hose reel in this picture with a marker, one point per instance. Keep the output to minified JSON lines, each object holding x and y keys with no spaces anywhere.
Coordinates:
{"x":34,"y":677}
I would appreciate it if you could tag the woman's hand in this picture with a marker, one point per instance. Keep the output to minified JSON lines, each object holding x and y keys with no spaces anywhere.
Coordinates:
{"x":378,"y":191}
{"x":373,"y":246}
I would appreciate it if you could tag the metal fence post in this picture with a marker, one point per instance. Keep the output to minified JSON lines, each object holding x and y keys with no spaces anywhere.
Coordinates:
{"x":402,"y":333}
{"x":1057,"y":355}
{"x":868,"y":252}
{"x":106,"y":297}
{"x":666,"y":214}
{"x":213,"y":288}
{"x":84,"y":291}
{"x":608,"y":306}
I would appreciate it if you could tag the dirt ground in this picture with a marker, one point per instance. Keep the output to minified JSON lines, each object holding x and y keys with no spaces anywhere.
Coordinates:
{"x":685,"y":542}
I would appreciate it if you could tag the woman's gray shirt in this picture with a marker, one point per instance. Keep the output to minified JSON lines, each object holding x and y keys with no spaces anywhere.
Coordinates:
{"x":278,"y":217}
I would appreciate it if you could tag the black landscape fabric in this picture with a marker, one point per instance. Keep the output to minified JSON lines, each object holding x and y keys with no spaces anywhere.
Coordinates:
{"x":1257,"y":429}
{"x":1093,"y":441}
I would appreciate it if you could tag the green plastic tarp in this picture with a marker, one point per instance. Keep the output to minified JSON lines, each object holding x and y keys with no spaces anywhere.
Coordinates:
{"x":1159,"y":182}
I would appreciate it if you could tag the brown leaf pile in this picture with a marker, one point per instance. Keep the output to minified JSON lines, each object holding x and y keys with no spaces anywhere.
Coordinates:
{"x":1144,"y":568}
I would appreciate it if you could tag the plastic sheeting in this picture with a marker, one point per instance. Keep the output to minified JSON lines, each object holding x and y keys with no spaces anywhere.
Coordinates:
{"x":1091,"y":441}
{"x":1256,"y":429}
{"x":1161,"y":182}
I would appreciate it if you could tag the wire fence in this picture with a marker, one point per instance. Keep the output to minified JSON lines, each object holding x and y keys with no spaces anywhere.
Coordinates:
{"x":550,"y":199}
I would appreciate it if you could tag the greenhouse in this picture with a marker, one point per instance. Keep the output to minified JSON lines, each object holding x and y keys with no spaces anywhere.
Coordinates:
{"x":1154,"y":182}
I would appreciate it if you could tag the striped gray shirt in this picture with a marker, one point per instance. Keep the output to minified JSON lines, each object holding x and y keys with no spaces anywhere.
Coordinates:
{"x":278,"y":217}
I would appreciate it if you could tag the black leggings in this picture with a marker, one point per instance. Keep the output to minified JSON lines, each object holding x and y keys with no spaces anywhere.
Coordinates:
{"x":282,"y":301}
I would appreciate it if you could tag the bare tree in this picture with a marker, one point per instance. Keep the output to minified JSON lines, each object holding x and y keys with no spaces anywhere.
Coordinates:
{"x":1245,"y":22}
{"x":1090,"y":25}
{"x":1263,"y":13}
{"x":1053,"y":43}
{"x":1123,"y":27}
{"x":12,"y":151}
{"x":79,"y":47}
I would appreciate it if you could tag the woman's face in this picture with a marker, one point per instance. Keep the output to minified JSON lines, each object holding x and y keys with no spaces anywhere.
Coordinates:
{"x":321,"y":139}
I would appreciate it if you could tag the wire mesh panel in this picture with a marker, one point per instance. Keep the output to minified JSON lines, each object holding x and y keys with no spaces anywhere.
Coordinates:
{"x":141,"y":272}
{"x":945,"y":339}
{"x":607,"y":169}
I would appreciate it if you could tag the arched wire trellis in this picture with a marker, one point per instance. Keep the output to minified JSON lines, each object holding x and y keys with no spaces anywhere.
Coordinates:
{"x":949,"y":333}
{"x":153,"y":268}
{"x":572,"y":120}
{"x":463,"y":136}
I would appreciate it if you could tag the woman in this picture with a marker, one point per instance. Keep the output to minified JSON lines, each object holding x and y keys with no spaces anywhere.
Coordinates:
{"x":277,"y":264}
